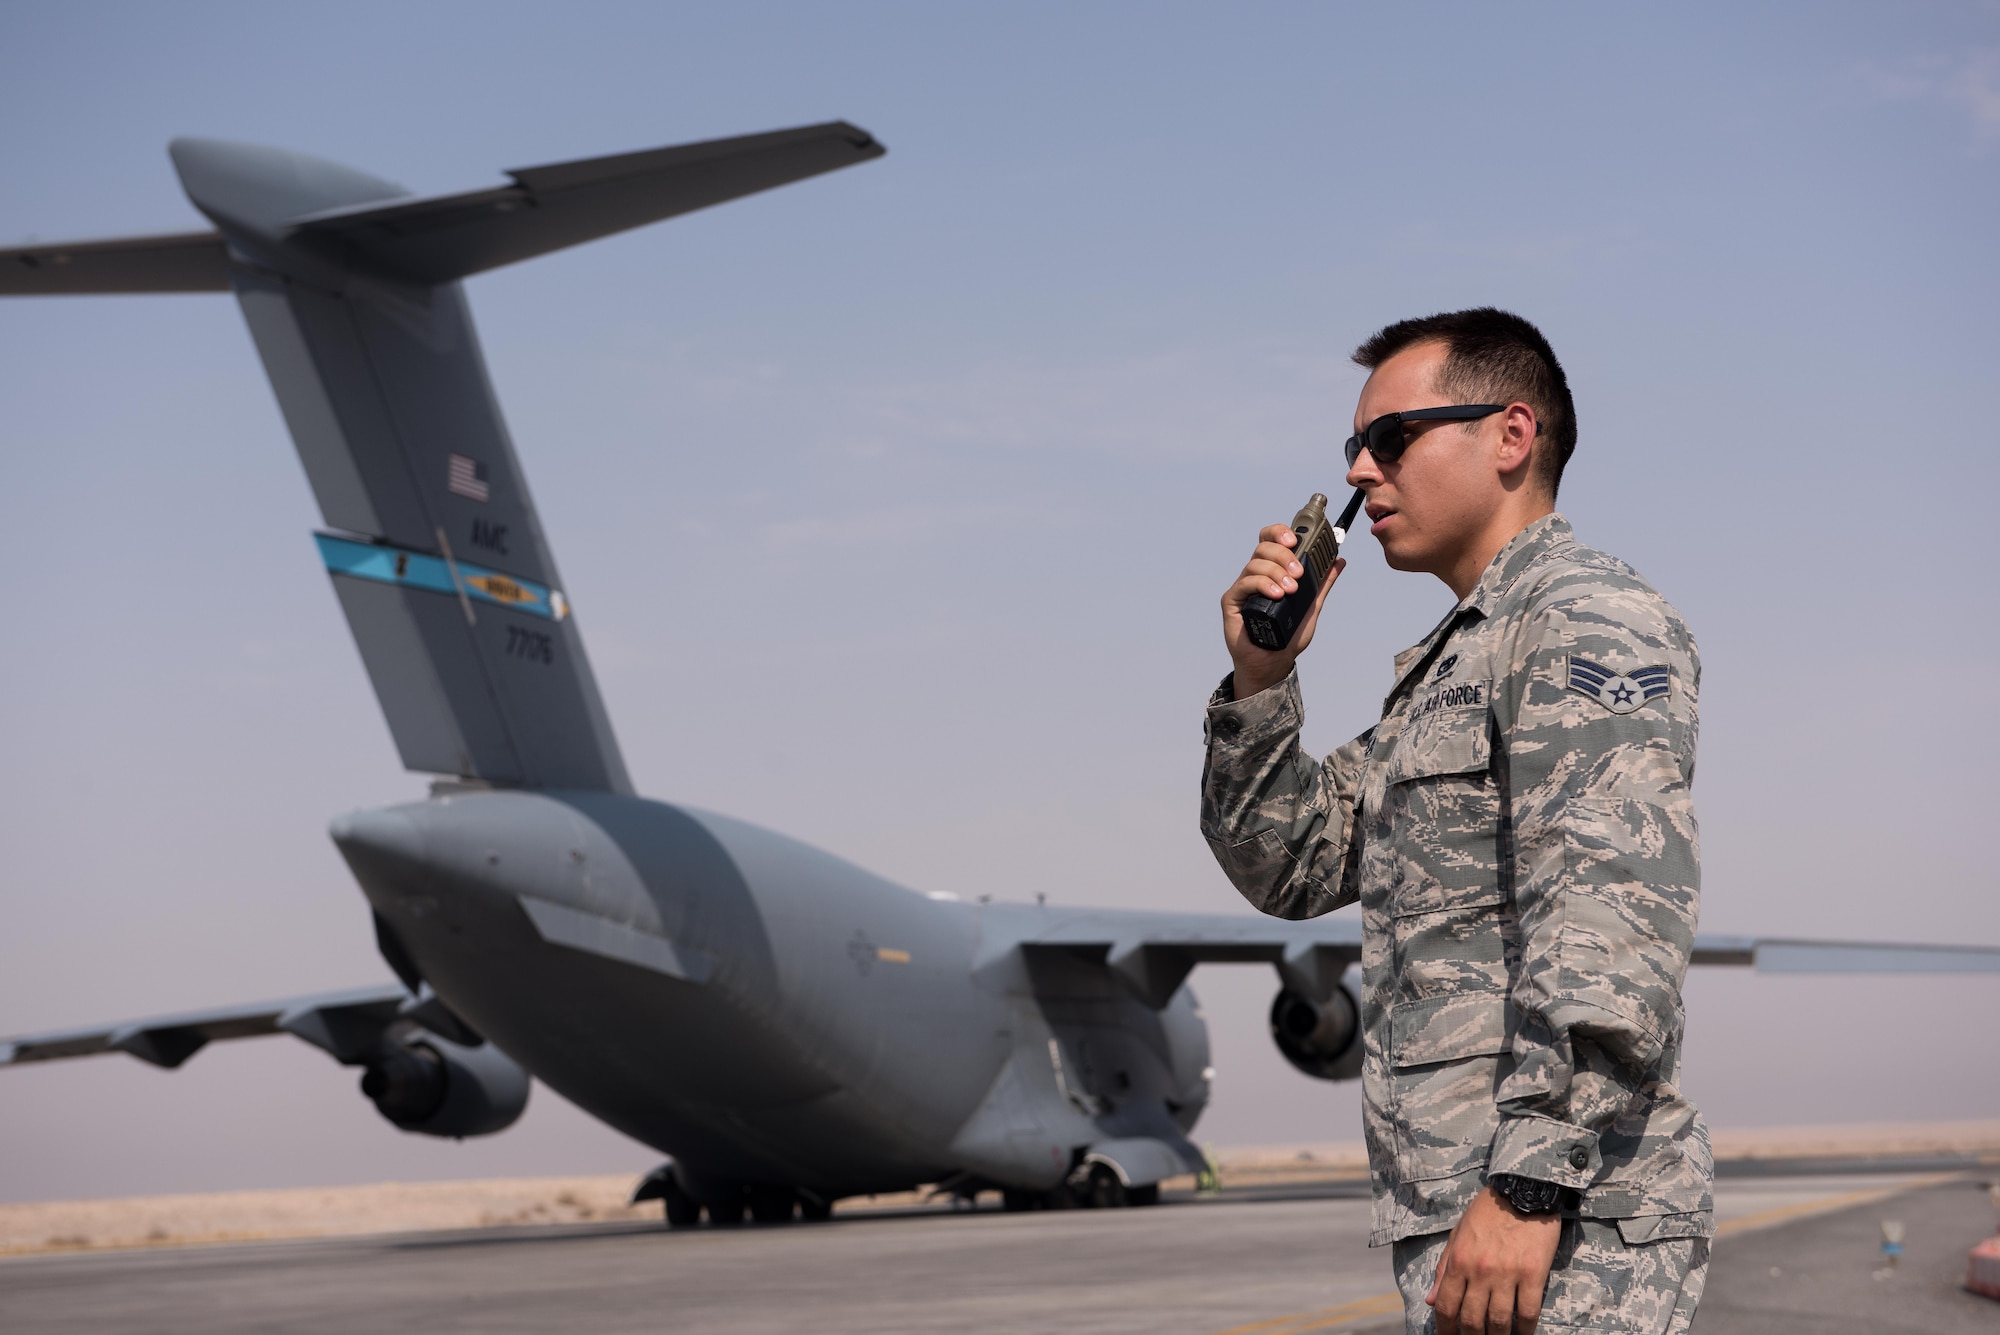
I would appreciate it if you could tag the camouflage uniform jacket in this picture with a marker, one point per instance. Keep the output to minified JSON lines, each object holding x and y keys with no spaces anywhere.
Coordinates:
{"x":1519,"y":833}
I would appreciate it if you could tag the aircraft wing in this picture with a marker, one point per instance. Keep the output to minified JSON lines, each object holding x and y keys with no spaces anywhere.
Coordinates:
{"x":345,"y":1024}
{"x":177,"y":262}
{"x":1153,"y":952}
{"x":447,"y":237}
{"x":1775,"y":954}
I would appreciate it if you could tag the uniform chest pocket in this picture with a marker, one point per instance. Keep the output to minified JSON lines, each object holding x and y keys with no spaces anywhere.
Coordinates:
{"x":1438,"y":744}
{"x":1442,"y":812}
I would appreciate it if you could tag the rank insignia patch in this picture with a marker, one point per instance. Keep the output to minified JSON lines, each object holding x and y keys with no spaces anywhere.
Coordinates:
{"x":1621,"y":693}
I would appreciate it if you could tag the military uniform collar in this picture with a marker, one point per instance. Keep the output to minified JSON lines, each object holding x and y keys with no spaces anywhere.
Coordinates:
{"x":1501,"y":574}
{"x":1512,"y":561}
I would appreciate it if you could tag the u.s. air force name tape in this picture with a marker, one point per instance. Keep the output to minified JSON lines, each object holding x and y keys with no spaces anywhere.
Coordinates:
{"x":383,"y":564}
{"x":1619,"y":692}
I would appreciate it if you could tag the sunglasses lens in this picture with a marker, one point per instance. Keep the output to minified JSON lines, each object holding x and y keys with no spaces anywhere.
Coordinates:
{"x":1385,"y":438}
{"x":1353,"y":450}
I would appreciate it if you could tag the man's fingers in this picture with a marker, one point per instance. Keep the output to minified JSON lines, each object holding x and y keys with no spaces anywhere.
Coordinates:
{"x":1448,"y":1298}
{"x":1282,"y":557}
{"x":1472,"y":1310}
{"x":1273,"y":572}
{"x":1528,"y":1303}
{"x":1260,"y":581}
{"x":1273,"y":566}
{"x":1499,"y":1308}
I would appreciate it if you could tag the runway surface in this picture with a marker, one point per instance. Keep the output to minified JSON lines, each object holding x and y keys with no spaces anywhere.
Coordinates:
{"x":1825,"y":1275}
{"x":1270,"y":1264}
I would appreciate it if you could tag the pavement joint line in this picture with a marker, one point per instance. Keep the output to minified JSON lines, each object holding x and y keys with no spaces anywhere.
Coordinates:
{"x":1326,"y":1318}
{"x":1784,"y":1214}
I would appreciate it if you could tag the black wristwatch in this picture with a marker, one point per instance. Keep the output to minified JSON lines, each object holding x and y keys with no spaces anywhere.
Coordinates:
{"x":1526,"y":1194}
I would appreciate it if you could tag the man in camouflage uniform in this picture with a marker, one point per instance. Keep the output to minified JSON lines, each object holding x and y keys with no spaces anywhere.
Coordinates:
{"x":1519,"y":833}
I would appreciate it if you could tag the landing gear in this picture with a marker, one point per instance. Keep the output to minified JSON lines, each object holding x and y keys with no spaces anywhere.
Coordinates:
{"x":1101,"y":1189}
{"x":726,"y":1202}
{"x":773,"y":1205}
{"x":683,"y":1210}
{"x":663,"y":1184}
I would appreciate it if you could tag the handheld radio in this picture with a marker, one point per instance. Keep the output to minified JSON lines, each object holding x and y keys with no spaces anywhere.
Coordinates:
{"x":1271,"y":622}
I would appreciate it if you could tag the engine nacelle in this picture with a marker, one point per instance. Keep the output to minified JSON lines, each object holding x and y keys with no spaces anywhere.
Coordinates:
{"x":433,"y":1086}
{"x":1320,"y":1038}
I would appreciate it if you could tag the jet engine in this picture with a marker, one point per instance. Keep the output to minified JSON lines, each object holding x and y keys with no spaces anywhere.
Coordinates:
{"x":433,"y":1086}
{"x":1320,"y":1038}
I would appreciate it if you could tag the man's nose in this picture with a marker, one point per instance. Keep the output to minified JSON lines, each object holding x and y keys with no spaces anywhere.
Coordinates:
{"x":1364,"y":472}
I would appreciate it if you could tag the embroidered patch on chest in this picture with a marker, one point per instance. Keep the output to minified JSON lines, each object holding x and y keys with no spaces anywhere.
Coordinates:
{"x":1619,"y":692}
{"x":1460,"y":696}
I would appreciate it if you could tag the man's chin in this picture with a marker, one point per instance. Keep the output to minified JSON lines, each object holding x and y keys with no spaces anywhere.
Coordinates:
{"x":1400,"y":557}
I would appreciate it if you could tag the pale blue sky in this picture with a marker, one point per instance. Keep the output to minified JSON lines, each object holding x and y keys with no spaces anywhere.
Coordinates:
{"x":895,"y":504}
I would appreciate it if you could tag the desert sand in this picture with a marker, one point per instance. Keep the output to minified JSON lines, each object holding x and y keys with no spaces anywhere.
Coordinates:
{"x":398,"y":1207}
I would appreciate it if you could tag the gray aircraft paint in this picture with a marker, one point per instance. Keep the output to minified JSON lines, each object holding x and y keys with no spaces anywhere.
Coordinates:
{"x":758,"y":1009}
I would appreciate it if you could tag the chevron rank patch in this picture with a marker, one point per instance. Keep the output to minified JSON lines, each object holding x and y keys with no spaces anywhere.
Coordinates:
{"x":1619,"y":692}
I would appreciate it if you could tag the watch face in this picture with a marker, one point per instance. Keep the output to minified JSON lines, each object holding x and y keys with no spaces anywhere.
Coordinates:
{"x":1531,"y":1197}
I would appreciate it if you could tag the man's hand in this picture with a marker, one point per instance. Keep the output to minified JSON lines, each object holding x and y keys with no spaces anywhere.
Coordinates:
{"x":1494,"y":1269}
{"x":1272,"y":571}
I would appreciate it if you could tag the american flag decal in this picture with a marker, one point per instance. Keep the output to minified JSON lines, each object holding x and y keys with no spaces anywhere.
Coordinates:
{"x":465,"y":476}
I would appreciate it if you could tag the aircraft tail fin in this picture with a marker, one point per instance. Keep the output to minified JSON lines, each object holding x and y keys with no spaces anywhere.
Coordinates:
{"x":350,"y":289}
{"x":349,"y":285}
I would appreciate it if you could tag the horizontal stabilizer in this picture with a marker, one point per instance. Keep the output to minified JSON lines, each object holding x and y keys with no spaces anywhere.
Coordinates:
{"x":178,"y":262}
{"x":447,"y":237}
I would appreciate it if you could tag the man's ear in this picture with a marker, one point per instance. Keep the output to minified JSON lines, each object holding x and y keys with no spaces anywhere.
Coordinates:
{"x":1520,"y":433}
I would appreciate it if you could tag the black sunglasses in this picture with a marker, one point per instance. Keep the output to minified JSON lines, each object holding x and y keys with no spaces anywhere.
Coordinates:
{"x":1383,"y":437}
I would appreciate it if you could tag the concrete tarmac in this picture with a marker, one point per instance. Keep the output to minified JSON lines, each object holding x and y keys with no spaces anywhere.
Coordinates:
{"x":1249,"y":1264}
{"x":1825,"y":1274}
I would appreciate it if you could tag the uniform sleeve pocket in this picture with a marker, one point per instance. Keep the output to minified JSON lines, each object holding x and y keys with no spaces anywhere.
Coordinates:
{"x":1448,"y":1028}
{"x":1262,"y":861}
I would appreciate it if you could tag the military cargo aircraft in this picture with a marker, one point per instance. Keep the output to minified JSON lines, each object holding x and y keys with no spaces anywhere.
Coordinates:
{"x":787,"y":1027}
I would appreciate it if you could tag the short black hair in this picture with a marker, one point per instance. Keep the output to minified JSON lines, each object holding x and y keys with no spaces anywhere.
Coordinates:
{"x":1492,"y":356}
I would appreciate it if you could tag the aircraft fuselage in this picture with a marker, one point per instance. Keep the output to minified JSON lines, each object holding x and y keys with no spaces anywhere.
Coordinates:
{"x":762,"y":1010}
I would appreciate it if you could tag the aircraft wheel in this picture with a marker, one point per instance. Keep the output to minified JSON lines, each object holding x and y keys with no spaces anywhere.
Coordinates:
{"x":1102,"y":1190}
{"x":773,"y":1205}
{"x":727,"y":1213}
{"x":1014,"y":1200}
{"x":683,"y":1210}
{"x":813,"y":1209}
{"x":1146,"y":1195}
